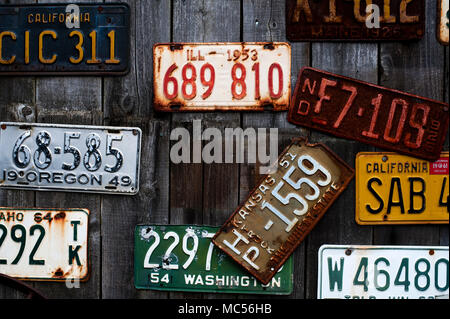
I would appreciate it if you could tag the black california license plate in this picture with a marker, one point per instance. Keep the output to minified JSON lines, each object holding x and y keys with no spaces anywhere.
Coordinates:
{"x":64,"y":39}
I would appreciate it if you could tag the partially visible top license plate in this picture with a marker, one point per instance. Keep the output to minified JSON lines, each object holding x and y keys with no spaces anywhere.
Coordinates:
{"x":67,"y":38}
{"x":44,"y":244}
{"x":382,"y":272}
{"x":222,"y":76}
{"x":398,"y":189}
{"x":386,"y":118}
{"x":284,"y":207}
{"x":76,"y":158}
{"x":443,"y":23}
{"x":392,"y":20}
{"x":183,"y":258}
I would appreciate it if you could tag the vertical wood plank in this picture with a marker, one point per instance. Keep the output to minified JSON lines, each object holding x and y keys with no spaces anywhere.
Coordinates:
{"x":17,"y":104}
{"x":338,"y":226}
{"x":208,"y":193}
{"x":264,"y":20}
{"x":72,"y":100}
{"x":444,"y":231}
{"x":416,"y":68}
{"x":128,"y":102}
{"x":204,"y":193}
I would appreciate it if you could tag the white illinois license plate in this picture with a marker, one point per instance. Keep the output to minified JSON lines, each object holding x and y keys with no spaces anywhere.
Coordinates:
{"x":76,"y":158}
{"x":382,"y":272}
{"x":222,"y":76}
{"x":44,"y":244}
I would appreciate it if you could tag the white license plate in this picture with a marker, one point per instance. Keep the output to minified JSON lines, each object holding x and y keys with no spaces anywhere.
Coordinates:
{"x":443,"y":21}
{"x":222,"y":76}
{"x":382,"y":272}
{"x":54,"y":157}
{"x":44,"y":244}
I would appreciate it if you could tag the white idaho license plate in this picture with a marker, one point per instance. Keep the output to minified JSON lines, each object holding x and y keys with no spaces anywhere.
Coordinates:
{"x":222,"y":76}
{"x":76,"y":158}
{"x":382,"y":272}
{"x":44,"y":244}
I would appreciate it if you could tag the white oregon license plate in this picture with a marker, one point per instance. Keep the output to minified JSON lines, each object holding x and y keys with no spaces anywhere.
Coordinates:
{"x":44,"y":244}
{"x":70,"y":157}
{"x":382,"y":272}
{"x":222,"y":76}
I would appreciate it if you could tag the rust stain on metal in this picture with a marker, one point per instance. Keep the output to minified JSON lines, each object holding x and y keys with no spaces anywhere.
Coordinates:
{"x":242,"y":76}
{"x":399,"y":20}
{"x":59,"y":273}
{"x":176,"y":46}
{"x":64,"y":231}
{"x":357,"y":110}
{"x":443,"y":16}
{"x":283,"y":208}
{"x":60,"y":216}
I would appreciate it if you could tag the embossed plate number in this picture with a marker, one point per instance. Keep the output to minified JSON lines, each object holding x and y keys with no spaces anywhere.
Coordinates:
{"x":44,"y":244}
{"x":283,"y":208}
{"x":70,"y":157}
{"x":368,"y":113}
{"x":183,"y":258}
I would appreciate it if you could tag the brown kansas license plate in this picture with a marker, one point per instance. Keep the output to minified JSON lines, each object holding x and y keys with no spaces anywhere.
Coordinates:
{"x":286,"y":205}
{"x":368,"y":113}
{"x":309,"y":20}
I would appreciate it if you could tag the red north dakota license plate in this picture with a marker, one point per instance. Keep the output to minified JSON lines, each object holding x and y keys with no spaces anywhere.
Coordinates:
{"x":368,"y":113}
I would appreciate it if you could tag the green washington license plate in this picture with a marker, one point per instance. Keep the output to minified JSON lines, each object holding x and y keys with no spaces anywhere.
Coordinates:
{"x":183,"y":258}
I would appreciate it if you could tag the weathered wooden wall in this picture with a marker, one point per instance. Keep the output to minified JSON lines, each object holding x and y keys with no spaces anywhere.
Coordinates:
{"x":209,"y":193}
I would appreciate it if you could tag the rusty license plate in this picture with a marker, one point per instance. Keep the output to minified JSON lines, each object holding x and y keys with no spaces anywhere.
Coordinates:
{"x":49,"y":39}
{"x":384,"y":20}
{"x":222,"y":76}
{"x":44,"y":244}
{"x":398,"y":189}
{"x":383,"y":272}
{"x":443,"y":23}
{"x":76,"y":158}
{"x":285,"y":206}
{"x":368,"y":113}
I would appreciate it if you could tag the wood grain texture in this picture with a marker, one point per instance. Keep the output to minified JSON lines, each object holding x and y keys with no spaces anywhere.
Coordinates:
{"x":78,"y":101}
{"x":444,"y":231}
{"x":127,"y":102}
{"x":209,"y":190}
{"x":265,"y":21}
{"x":17,"y":104}
{"x":338,"y":226}
{"x":199,"y":193}
{"x":417,"y":68}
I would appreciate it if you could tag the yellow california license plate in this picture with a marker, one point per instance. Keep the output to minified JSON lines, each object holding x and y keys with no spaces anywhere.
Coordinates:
{"x":398,"y":189}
